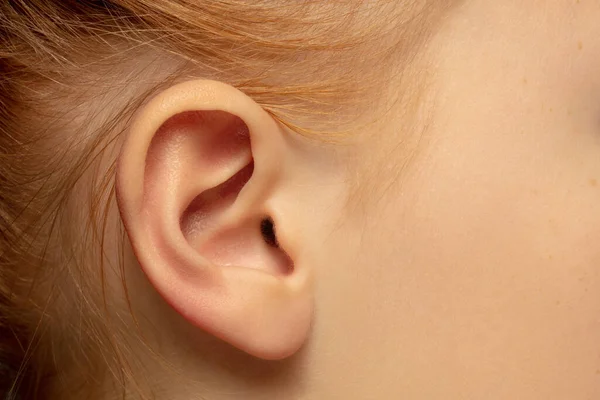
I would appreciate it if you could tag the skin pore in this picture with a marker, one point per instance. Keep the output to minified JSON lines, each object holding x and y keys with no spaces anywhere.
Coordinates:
{"x":468,"y":269}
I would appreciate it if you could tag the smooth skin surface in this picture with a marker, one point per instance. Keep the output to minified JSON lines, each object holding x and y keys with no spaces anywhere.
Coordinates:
{"x":477,"y":276}
{"x":474,"y":273}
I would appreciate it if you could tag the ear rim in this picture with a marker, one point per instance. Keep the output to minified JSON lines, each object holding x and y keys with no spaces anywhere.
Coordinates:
{"x":198,"y":95}
{"x":282,"y":297}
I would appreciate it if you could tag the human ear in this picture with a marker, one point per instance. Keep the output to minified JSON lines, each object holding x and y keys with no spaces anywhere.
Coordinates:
{"x":195,"y":181}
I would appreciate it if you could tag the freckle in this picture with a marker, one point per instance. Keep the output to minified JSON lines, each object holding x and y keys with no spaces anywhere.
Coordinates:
{"x":524,"y":81}
{"x":579,"y":45}
{"x":593,"y":182}
{"x":551,"y":109}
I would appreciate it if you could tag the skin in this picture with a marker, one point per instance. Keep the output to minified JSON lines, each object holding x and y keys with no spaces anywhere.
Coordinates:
{"x":471,"y":273}
{"x":476,"y":275}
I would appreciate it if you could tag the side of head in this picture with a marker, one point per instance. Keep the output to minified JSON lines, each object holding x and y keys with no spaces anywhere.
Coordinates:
{"x":166,"y":168}
{"x":311,"y":200}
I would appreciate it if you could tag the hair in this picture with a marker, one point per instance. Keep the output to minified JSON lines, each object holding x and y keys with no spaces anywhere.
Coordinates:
{"x":71,"y":75}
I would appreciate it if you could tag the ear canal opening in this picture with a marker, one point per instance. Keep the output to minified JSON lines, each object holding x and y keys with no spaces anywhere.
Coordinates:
{"x":267,"y":229}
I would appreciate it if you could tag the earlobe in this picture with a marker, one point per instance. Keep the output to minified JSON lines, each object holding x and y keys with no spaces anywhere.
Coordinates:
{"x":195,"y":179}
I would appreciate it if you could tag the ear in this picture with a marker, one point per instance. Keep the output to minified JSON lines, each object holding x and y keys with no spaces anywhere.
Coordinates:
{"x":196,"y":179}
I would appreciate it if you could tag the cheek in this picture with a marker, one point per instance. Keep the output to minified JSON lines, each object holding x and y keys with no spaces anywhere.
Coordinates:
{"x":487,"y":275}
{"x":481,"y":270}
{"x":501,"y":264}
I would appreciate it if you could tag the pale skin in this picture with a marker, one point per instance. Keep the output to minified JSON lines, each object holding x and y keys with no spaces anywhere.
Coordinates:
{"x":474,"y":274}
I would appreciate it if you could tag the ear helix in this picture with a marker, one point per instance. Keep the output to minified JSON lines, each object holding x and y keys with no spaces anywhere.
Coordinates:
{"x":198,"y":179}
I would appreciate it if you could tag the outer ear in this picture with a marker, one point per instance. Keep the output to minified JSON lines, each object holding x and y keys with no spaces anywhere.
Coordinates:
{"x":195,"y":181}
